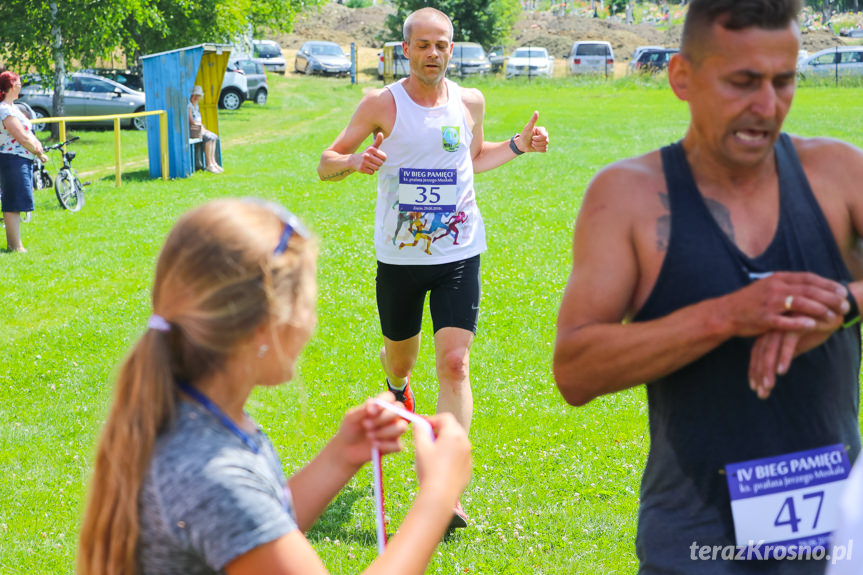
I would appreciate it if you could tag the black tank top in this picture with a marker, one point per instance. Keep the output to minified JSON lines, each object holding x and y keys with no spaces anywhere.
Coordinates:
{"x":704,"y":415}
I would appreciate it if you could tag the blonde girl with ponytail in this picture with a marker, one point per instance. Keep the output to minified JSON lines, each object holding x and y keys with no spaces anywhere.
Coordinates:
{"x":184,"y":481}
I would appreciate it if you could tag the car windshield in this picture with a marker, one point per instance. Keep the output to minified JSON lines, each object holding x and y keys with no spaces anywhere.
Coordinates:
{"x":470,"y":52}
{"x":326,"y":50}
{"x":538,"y":53}
{"x":267,"y":51}
{"x":591,"y":50}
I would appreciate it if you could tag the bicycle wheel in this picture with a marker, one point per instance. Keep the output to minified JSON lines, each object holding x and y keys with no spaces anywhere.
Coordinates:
{"x":41,"y":179}
{"x":69,"y":192}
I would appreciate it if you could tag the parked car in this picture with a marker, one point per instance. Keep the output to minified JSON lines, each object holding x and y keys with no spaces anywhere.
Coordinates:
{"x":235,"y":87}
{"x":86,"y":95}
{"x":468,"y":59}
{"x":497,"y":58}
{"x":653,"y":60}
{"x":841,"y":61}
{"x":256,"y":79}
{"x":637,"y":53}
{"x":530,"y":61}
{"x":129,"y":78}
{"x":591,"y":57}
{"x":402,"y":67}
{"x":319,"y":57}
{"x":269,"y":54}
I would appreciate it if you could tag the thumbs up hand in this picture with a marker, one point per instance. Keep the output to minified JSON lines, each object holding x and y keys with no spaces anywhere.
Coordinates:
{"x":533,"y":138}
{"x":372,"y":158}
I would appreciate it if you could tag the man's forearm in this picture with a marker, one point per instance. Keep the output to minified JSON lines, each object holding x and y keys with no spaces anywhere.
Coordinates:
{"x":602,"y":358}
{"x":492,"y":155}
{"x":334,"y":167}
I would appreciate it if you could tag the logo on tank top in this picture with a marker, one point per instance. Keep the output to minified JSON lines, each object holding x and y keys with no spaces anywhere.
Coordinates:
{"x":450,"y":136}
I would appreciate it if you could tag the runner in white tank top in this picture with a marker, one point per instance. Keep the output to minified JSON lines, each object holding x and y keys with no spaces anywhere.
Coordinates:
{"x":428,"y":143}
{"x":427,"y":212}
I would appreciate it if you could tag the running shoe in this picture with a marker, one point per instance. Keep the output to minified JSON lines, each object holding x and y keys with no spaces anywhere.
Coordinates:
{"x":459,"y":517}
{"x":404,"y":396}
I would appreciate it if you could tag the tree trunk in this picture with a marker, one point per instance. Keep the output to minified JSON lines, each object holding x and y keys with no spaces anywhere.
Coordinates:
{"x":59,"y":107}
{"x":826,"y":11}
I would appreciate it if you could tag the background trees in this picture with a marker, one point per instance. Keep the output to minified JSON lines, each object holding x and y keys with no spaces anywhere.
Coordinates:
{"x":487,"y":22}
{"x":46,"y":36}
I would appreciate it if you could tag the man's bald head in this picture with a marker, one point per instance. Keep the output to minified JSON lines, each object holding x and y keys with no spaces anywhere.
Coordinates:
{"x":425,"y":14}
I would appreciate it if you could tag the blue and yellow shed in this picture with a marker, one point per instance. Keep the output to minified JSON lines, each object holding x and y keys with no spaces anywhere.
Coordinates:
{"x":168,"y":81}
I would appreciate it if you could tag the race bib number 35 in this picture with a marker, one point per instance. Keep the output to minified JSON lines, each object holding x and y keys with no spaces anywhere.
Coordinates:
{"x":790,"y":502}
{"x":427,"y":190}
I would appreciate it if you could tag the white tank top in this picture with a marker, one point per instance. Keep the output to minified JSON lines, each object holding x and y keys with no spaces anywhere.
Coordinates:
{"x":427,"y":212}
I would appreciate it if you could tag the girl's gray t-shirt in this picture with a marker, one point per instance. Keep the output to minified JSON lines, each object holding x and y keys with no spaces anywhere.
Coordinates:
{"x":208,"y":498}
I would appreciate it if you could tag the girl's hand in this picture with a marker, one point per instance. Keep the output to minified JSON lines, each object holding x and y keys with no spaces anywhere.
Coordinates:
{"x":444,"y":463}
{"x":366,"y":426}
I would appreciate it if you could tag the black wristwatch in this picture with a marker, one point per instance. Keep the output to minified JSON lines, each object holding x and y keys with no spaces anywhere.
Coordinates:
{"x":853,"y":315}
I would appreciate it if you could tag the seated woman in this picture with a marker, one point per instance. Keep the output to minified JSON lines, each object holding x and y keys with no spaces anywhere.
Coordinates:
{"x":197,"y":130}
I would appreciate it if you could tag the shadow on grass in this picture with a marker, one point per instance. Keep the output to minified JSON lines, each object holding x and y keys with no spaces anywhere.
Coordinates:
{"x":333,"y":523}
{"x":142,"y":175}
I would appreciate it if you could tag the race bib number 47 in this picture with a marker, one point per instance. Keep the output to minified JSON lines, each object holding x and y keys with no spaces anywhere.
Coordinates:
{"x":427,"y":190}
{"x":790,"y":502}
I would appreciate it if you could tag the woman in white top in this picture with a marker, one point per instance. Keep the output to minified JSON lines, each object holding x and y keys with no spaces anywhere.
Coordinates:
{"x":197,"y":130}
{"x":18,"y":147}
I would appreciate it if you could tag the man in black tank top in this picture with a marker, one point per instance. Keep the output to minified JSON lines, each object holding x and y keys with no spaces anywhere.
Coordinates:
{"x":722,"y":272}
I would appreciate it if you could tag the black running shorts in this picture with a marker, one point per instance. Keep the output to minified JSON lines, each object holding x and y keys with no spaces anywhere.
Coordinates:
{"x":454,"y":301}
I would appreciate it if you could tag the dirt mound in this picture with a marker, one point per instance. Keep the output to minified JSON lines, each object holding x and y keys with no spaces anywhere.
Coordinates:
{"x":338,"y":23}
{"x":557,"y":33}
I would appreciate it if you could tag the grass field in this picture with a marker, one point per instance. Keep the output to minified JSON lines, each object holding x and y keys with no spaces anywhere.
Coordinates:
{"x":555,"y":489}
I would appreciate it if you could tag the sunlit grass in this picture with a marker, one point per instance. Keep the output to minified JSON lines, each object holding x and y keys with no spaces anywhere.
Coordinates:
{"x":555,"y":489}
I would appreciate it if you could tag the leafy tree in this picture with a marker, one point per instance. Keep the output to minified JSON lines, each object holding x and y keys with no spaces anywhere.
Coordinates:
{"x":193,"y":22}
{"x":46,"y":35}
{"x":487,"y":22}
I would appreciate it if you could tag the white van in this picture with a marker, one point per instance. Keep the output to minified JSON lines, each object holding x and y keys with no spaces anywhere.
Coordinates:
{"x":591,"y":57}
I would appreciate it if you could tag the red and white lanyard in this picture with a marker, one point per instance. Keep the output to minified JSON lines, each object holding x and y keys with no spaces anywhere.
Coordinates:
{"x":378,"y":475}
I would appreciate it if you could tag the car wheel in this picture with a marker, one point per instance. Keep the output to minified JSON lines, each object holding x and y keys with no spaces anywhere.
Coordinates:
{"x":230,"y":99}
{"x":139,"y":123}
{"x":261,"y":97}
{"x":40,"y":113}
{"x":308,"y":70}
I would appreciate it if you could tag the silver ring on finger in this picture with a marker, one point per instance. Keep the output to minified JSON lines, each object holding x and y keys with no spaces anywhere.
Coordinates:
{"x":789,"y":301}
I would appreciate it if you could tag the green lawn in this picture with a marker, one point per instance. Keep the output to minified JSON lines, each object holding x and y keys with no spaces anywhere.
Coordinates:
{"x":555,"y":489}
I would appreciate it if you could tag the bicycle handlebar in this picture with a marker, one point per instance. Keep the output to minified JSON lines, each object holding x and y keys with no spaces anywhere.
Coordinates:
{"x":58,"y":146}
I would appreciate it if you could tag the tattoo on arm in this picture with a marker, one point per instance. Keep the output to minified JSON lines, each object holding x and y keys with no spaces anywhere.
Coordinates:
{"x":344,"y":172}
{"x":663,"y":225}
{"x":722,"y":215}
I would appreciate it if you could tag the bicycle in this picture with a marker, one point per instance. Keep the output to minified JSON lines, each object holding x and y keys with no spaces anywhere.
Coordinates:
{"x":67,"y":186}
{"x":41,"y":178}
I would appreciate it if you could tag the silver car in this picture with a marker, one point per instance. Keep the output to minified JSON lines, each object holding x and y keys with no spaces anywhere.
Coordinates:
{"x":269,"y":54}
{"x":87,"y":95}
{"x":320,"y":57}
{"x":468,"y":58}
{"x":832,"y":62}
{"x":256,"y":79}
